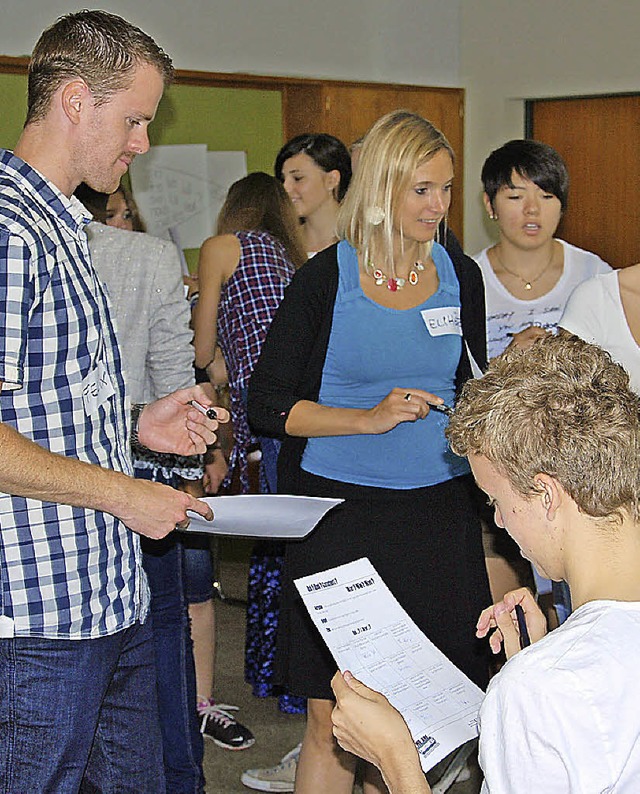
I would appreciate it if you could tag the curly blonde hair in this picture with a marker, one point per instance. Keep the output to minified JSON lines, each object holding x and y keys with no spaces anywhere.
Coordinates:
{"x":561,"y":408}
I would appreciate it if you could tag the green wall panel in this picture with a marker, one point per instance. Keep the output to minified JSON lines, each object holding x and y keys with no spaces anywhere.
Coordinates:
{"x":13,"y":101}
{"x":226,"y":119}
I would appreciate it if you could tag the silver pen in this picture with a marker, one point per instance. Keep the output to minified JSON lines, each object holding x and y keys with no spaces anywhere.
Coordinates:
{"x":210,"y":413}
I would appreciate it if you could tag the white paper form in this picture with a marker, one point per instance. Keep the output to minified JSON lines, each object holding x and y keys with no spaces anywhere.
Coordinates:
{"x":262,"y":515}
{"x":223,"y":168}
{"x":370,"y":634}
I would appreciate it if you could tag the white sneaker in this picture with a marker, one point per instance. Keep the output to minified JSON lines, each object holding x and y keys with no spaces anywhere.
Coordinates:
{"x":280,"y":777}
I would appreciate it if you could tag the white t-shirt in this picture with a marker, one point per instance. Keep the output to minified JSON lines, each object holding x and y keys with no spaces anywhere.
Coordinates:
{"x":563,"y":716}
{"x":508,"y":315}
{"x":595,"y":313}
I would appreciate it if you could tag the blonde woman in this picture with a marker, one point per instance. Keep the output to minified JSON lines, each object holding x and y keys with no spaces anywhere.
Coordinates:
{"x":370,"y":336}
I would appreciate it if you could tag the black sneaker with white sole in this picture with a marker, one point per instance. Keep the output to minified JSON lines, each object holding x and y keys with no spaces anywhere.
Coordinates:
{"x":216,"y":723}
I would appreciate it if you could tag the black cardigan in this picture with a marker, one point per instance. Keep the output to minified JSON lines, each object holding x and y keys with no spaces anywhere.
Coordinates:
{"x":293,"y":354}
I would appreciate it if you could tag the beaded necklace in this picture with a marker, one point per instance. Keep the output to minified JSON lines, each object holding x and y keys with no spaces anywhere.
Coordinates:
{"x":394,"y":284}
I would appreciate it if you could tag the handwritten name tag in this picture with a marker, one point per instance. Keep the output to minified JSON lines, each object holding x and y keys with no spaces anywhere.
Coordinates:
{"x":442,"y":321}
{"x":96,"y":389}
{"x":6,"y":627}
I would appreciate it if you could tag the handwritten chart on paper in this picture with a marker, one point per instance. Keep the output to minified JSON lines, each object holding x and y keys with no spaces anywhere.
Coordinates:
{"x":182,"y":188}
{"x":170,"y":184}
{"x":370,"y":634}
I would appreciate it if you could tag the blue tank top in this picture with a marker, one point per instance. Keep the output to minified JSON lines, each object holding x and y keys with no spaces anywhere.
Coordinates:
{"x":373,"y":349}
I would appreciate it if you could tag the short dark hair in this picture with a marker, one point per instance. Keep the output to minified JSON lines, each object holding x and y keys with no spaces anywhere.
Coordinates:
{"x":533,"y":160}
{"x":102,"y":49}
{"x":326,"y":151}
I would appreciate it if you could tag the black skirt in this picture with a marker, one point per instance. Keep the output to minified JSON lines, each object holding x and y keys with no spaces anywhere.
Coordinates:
{"x":425,"y":543}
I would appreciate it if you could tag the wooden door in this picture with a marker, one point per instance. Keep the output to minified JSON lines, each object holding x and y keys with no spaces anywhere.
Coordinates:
{"x":347,"y":110}
{"x":599,"y":138}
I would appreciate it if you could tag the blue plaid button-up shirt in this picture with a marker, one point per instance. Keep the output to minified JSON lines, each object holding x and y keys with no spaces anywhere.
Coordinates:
{"x":65,"y":572}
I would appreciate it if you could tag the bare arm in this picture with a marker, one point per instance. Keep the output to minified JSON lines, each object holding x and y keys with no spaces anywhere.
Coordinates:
{"x":29,"y":470}
{"x":219,"y":257}
{"x":366,"y":724}
{"x":171,"y":424}
{"x":311,"y":420}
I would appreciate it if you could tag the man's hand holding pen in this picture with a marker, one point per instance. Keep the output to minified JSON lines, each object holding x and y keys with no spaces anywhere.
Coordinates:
{"x":181,"y":423}
{"x":503,"y":619}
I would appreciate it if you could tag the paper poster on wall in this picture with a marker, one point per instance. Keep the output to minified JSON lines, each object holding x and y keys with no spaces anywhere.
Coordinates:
{"x":225,"y":168}
{"x":171,"y":189}
{"x":180,"y":189}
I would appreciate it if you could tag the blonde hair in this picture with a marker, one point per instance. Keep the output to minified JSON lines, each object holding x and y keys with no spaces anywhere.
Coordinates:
{"x":394,"y":147}
{"x":561,"y":408}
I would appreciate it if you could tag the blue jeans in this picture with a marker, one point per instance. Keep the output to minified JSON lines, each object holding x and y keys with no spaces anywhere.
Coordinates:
{"x":80,"y":715}
{"x":183,"y":749}
{"x":198,"y":570}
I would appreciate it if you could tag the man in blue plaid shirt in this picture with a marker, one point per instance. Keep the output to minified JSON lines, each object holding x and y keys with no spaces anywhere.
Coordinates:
{"x":77,"y":702}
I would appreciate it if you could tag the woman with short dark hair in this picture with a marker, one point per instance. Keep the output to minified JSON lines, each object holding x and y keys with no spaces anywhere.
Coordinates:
{"x":315,"y":170}
{"x":528,"y":274}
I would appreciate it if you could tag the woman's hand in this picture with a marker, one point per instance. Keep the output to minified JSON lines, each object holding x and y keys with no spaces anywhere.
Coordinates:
{"x":502,"y":618}
{"x":366,"y":724}
{"x":400,"y":405}
{"x":215,"y":470}
{"x":524,"y":339}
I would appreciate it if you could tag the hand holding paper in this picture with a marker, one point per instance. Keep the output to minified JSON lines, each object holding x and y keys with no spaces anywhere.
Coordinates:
{"x":365,"y":723}
{"x":370,"y":634}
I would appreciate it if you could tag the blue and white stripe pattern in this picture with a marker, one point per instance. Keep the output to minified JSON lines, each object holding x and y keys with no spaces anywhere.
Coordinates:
{"x":65,"y":572}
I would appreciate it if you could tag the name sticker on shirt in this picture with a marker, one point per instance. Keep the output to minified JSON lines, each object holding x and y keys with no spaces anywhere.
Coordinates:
{"x":6,"y":627}
{"x":96,"y":389}
{"x":442,"y":321}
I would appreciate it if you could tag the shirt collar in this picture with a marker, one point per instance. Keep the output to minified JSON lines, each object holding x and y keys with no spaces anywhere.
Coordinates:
{"x":70,"y":211}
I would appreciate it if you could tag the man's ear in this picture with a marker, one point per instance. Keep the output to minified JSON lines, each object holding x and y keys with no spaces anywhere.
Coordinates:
{"x":74,"y":98}
{"x":550,"y":494}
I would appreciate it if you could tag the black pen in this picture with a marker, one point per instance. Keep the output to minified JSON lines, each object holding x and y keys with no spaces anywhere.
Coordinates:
{"x":525,"y":640}
{"x":441,"y":408}
{"x":210,"y":413}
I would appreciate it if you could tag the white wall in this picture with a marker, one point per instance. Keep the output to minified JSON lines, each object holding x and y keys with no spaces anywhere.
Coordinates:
{"x":501,"y":51}
{"x":512,"y":50}
{"x":378,"y":40}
